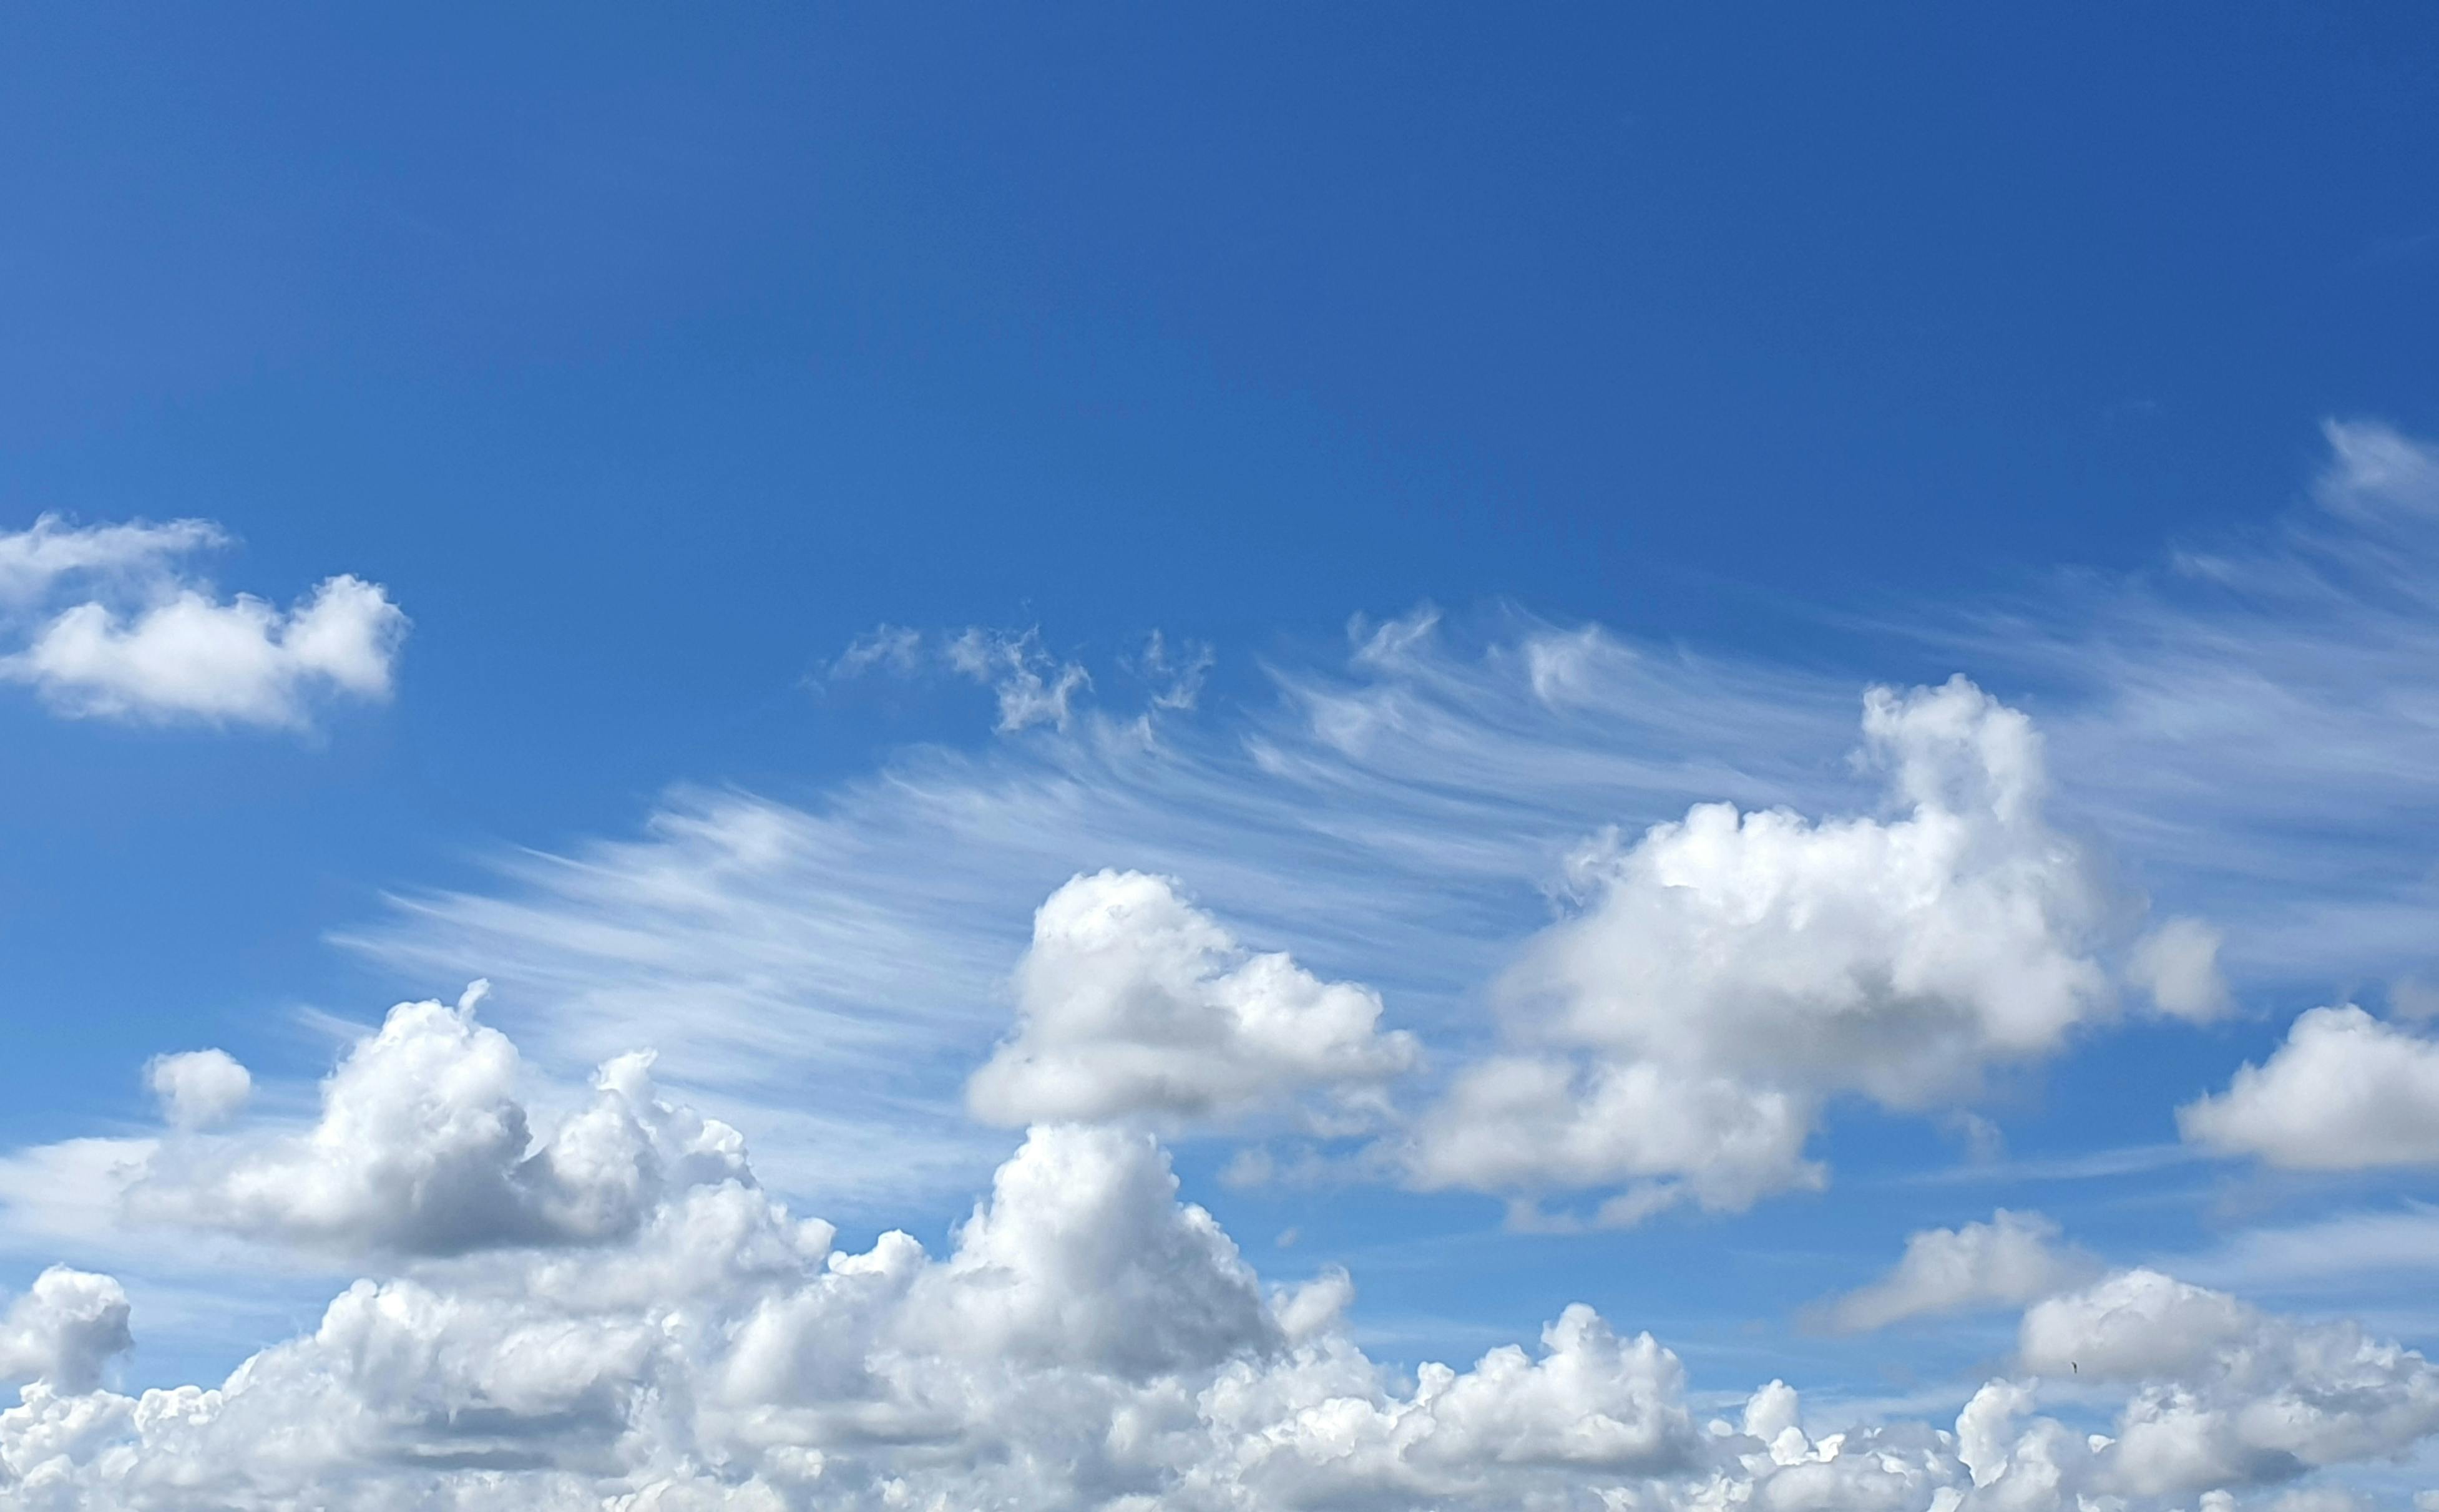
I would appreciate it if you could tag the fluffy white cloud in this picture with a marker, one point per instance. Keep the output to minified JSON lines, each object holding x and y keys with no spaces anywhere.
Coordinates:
{"x":2135,"y":1325}
{"x":1085,"y":1253}
{"x":2013,"y":1259}
{"x":1519,"y":1123}
{"x":423,"y":1148}
{"x":1132,"y":1001}
{"x":2178,"y":964}
{"x":197,"y":1088}
{"x":2230,"y":1397}
{"x":34,"y":559}
{"x":65,"y":1328}
{"x":1088,"y":1341}
{"x":2347,"y":1092}
{"x":1729,"y":972}
{"x":157,"y":645}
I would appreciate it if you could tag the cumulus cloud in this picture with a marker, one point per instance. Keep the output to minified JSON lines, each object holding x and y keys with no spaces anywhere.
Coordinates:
{"x":2230,"y":1397}
{"x":1725,"y":974}
{"x":1088,"y":1340}
{"x":63,"y":1329}
{"x":1132,"y":1001}
{"x":2135,"y":1325}
{"x":2347,"y":1092}
{"x":197,"y":1088}
{"x":2013,"y":1259}
{"x":152,"y":643}
{"x":424,"y":1147}
{"x":1083,"y":1252}
{"x":1520,"y":1123}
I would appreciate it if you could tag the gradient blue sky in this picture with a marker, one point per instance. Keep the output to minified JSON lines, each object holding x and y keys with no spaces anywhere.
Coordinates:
{"x":650,"y":357}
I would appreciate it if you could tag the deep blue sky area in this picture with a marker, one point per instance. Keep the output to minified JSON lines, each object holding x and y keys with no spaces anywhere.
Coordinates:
{"x":647,"y":356}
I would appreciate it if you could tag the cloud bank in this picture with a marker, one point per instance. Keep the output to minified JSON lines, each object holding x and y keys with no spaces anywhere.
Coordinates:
{"x":606,"y":1309}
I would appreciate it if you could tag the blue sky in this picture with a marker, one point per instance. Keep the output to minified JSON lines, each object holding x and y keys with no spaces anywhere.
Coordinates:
{"x":768,"y":444}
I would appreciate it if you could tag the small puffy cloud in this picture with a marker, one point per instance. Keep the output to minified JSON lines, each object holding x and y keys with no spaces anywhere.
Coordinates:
{"x":1132,"y":1002}
{"x":2347,"y":1092}
{"x":1726,"y":974}
{"x":65,"y":1328}
{"x":2178,"y":965}
{"x":2013,"y":1259}
{"x":197,"y":1088}
{"x":152,"y":644}
{"x":423,"y":1148}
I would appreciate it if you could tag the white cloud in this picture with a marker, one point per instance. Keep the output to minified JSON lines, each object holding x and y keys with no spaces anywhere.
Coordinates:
{"x":2251,"y":726}
{"x":2013,"y":1259}
{"x":2230,"y":1396}
{"x":2347,"y":1092}
{"x":889,"y":647}
{"x":424,"y":1147}
{"x":1032,"y":686}
{"x":2178,"y":964}
{"x":2135,"y":1325}
{"x":2249,"y":730}
{"x":1176,"y":673}
{"x":197,"y":1088}
{"x":63,"y":1329}
{"x":1084,"y":1255}
{"x":841,"y":982}
{"x":159,"y":645}
{"x":32,"y":559}
{"x":1727,"y":974}
{"x":1089,"y":1341}
{"x":1130,"y":1001}
{"x":1525,"y":1124}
